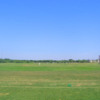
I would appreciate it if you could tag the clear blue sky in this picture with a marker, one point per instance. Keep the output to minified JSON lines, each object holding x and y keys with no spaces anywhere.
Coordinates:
{"x":49,"y":29}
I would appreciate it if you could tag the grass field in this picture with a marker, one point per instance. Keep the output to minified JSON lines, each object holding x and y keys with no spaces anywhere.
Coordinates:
{"x":49,"y":81}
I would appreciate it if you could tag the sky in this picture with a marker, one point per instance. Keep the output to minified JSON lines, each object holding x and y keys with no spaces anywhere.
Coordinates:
{"x":49,"y":29}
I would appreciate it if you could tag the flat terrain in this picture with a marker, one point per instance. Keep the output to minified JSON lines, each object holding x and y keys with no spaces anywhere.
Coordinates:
{"x":29,"y":81}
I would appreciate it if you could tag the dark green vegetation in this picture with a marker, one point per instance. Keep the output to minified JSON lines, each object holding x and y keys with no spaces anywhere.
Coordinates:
{"x":44,"y":61}
{"x":45,"y":81}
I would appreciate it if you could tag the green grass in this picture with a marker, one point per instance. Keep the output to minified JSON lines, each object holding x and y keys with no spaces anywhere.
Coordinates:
{"x":49,"y":81}
{"x":48,"y":67}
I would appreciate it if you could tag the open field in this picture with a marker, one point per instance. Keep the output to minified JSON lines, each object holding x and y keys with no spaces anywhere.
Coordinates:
{"x":28,"y":81}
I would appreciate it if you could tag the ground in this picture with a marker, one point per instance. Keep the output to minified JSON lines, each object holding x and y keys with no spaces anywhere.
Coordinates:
{"x":20,"y":81}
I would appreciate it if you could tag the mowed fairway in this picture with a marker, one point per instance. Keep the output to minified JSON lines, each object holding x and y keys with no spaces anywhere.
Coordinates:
{"x":29,"y":81}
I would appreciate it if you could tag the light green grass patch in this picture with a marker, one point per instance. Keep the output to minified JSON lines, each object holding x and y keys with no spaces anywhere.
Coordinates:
{"x":49,"y":81}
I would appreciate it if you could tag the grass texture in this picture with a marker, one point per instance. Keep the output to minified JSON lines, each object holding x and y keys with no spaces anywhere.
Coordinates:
{"x":46,"y":81}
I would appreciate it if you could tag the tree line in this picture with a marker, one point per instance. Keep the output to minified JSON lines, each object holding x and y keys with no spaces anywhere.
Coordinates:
{"x":43,"y":61}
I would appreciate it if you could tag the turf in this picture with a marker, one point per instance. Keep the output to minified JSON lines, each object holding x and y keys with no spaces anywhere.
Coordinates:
{"x":49,"y":81}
